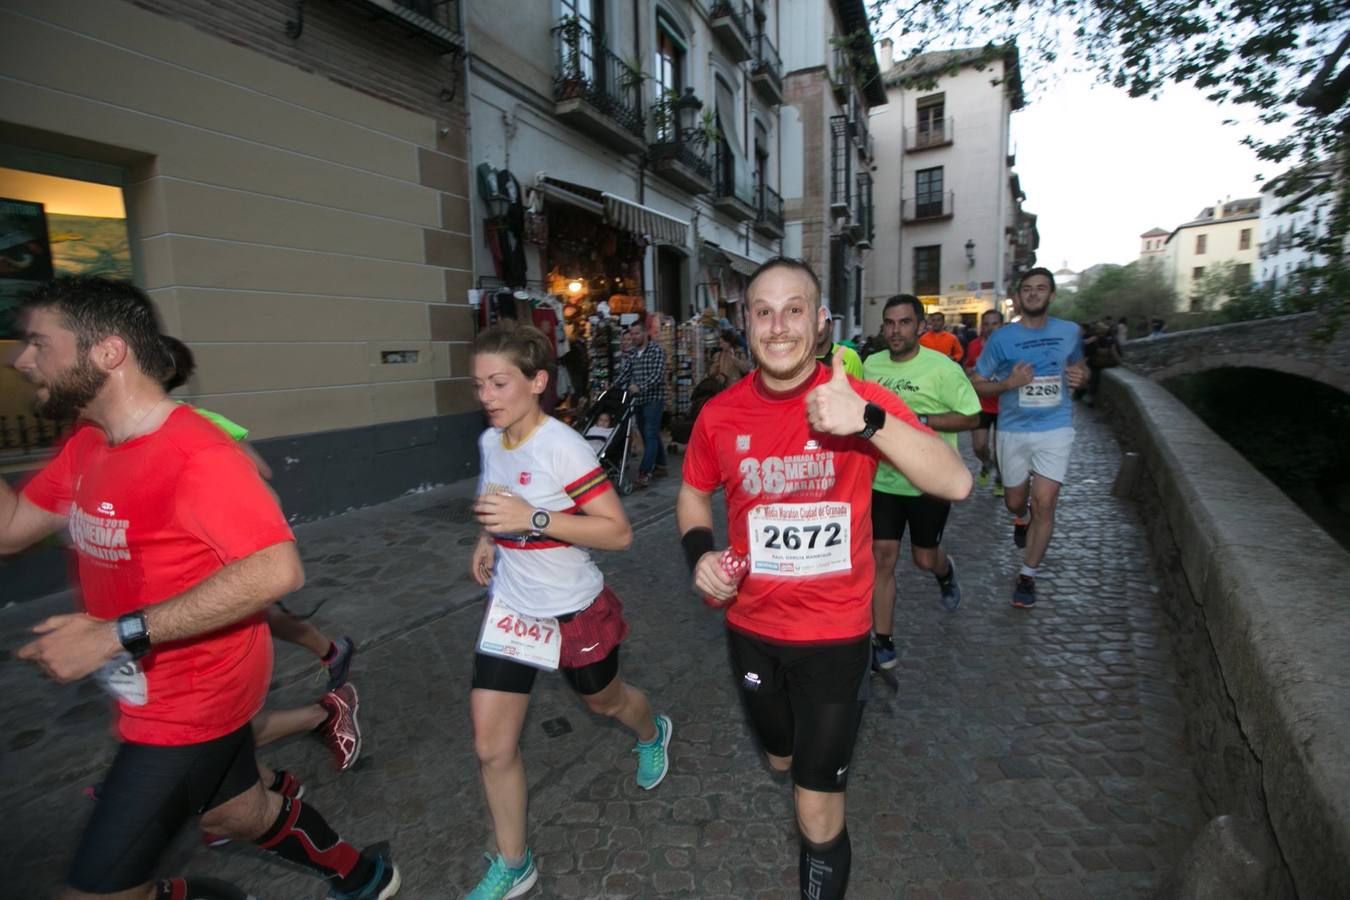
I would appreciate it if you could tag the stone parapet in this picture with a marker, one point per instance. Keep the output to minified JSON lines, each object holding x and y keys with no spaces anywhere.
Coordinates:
{"x":1272,"y":589}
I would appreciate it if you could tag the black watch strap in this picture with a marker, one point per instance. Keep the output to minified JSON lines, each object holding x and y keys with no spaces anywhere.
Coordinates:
{"x":873,"y":418}
{"x":134,"y":634}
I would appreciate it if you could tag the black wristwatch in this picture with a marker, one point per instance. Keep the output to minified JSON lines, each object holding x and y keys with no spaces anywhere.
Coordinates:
{"x":134,"y":634}
{"x":873,"y":418}
{"x":539,"y":522}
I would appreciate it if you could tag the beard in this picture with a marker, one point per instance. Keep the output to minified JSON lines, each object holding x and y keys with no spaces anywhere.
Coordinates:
{"x":1034,"y":311}
{"x":75,"y":389}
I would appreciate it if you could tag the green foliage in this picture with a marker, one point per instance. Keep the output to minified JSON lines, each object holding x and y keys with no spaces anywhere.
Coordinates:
{"x":1138,"y":292}
{"x":1287,"y":59}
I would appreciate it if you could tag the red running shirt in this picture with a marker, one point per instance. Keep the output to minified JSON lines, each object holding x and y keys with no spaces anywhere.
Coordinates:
{"x":758,"y":447}
{"x":973,"y":351}
{"x":149,"y":519}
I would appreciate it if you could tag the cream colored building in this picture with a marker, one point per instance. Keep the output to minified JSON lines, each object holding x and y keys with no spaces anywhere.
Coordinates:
{"x":950,"y":224}
{"x":294,"y":197}
{"x":1227,"y":232}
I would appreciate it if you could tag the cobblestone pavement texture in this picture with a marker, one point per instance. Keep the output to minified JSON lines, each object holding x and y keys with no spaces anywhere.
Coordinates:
{"x":1027,"y":753}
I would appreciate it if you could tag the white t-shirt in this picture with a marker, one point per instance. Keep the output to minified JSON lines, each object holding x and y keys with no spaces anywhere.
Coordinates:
{"x":555,"y":469}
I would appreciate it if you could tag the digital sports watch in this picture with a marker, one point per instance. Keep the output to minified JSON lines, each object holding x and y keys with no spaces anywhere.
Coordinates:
{"x":873,"y":418}
{"x":133,"y":634}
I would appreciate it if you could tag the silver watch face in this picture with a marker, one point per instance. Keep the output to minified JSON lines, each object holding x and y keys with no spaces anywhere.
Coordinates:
{"x":540,"y":519}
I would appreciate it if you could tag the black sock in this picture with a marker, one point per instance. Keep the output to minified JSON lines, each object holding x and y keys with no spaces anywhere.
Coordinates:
{"x":822,"y":869}
{"x":278,"y":779}
{"x":884,"y":640}
{"x":300,"y":835}
{"x":944,"y":580}
{"x":198,"y":889}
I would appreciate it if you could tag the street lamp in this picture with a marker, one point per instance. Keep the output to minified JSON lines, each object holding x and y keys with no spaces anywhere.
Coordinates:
{"x":970,"y":251}
{"x":686,"y":110}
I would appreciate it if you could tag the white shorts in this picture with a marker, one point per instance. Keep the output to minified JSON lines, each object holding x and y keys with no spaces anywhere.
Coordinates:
{"x":1043,"y":453}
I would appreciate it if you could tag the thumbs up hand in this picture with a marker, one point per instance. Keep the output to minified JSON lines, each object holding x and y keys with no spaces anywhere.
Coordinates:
{"x":834,"y":407}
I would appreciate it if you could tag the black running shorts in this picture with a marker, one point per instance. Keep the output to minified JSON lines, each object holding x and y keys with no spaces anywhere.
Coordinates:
{"x":148,"y":795}
{"x":925,"y":515}
{"x":987,"y":420}
{"x":493,"y":673}
{"x":804,"y":701}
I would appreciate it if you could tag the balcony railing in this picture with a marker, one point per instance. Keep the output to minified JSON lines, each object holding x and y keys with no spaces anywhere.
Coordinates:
{"x":863,"y":227}
{"x":766,"y":71}
{"x":769,"y":206}
{"x":841,"y":70}
{"x":433,"y":21}
{"x":927,"y":206}
{"x":588,"y":71}
{"x":729,"y":21}
{"x":733,"y":191}
{"x":934,"y":134}
{"x":684,"y":162}
{"x":841,"y":166}
{"x":859,"y":128}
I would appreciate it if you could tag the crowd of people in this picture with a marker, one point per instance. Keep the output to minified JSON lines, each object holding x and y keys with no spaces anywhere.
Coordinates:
{"x":823,"y":458}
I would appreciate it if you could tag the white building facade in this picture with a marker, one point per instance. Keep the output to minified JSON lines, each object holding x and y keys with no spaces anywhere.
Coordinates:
{"x":949,"y":217}
{"x":644,"y":139}
{"x":1287,"y":223}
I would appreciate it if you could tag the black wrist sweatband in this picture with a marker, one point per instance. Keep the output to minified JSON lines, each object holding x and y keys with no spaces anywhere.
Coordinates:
{"x":696,"y":542}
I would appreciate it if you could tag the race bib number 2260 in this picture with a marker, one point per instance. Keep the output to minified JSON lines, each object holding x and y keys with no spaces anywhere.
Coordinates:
{"x":795,"y":540}
{"x":1044,"y":390}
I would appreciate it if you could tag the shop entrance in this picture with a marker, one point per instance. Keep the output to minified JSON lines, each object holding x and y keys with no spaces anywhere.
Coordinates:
{"x":669,"y":282}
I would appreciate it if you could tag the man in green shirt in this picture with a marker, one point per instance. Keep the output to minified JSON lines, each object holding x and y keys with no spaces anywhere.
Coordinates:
{"x":939,"y":393}
{"x":827,"y":348}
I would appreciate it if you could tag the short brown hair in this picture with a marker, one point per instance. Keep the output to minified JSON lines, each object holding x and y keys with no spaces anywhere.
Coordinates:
{"x":524,"y":345}
{"x":788,"y":262}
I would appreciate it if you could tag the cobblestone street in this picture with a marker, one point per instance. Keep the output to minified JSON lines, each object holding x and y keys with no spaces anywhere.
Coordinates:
{"x":1027,"y":753}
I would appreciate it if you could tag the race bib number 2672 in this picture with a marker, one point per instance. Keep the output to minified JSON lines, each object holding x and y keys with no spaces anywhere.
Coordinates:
{"x":795,"y":540}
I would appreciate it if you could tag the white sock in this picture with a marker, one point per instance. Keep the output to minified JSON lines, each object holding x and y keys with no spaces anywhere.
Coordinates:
{"x":1029,"y":571}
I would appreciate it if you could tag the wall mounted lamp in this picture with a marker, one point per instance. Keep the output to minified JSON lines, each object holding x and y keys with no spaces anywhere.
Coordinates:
{"x":970,"y":252}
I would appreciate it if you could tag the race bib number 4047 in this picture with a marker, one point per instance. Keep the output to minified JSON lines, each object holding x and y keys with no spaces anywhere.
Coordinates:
{"x":797,"y":540}
{"x":532,"y":640}
{"x":1044,"y":390}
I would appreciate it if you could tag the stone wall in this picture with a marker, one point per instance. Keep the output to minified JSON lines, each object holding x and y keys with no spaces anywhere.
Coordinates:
{"x":1302,"y":344}
{"x":1259,"y":595}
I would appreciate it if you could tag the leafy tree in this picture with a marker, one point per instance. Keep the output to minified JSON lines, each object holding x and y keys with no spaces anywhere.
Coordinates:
{"x":1287,"y":59}
{"x":1138,"y":292}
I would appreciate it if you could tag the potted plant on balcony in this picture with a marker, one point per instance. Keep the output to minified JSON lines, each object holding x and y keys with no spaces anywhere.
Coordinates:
{"x":571,"y":78}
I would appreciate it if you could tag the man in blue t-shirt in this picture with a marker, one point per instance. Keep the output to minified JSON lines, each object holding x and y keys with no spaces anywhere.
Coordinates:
{"x":1032,"y":367}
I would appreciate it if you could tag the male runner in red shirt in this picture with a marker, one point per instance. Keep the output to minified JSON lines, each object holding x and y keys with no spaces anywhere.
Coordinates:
{"x":181,"y":547}
{"x":794,"y":448}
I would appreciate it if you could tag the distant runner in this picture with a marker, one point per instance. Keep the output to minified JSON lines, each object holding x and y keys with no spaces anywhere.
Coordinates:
{"x":1031,"y":366}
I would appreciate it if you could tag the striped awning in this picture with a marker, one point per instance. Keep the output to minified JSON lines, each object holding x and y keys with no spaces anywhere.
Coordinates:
{"x":639,"y":219}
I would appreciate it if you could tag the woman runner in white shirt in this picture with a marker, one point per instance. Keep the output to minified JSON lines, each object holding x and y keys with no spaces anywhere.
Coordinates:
{"x":542,"y":498}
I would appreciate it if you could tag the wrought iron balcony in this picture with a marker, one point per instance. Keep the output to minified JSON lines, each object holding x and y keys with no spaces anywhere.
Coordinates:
{"x":595,"y":90}
{"x":435,"y":22}
{"x":683,"y":162}
{"x":770,"y":207}
{"x":841,"y":71}
{"x":733,"y":192}
{"x":766,"y":71}
{"x":862,"y":226}
{"x":729,"y":21}
{"x":937,"y":133}
{"x":927,"y":207}
{"x":841,"y":167}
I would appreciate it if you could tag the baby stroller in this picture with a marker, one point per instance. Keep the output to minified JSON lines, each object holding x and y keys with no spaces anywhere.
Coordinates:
{"x":608,"y":427}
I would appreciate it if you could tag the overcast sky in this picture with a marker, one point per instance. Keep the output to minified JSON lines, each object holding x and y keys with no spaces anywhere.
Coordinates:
{"x":1100,"y":168}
